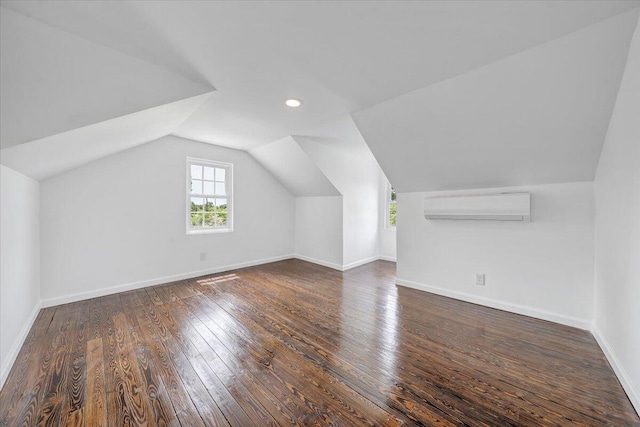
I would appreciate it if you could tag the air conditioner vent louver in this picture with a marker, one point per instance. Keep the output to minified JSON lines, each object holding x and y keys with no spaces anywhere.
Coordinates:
{"x":479,"y":207}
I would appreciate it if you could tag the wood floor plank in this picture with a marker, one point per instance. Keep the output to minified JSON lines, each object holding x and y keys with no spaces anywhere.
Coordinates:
{"x":43,"y":401}
{"x":293,"y":343}
{"x":76,"y":384}
{"x":163,"y":412}
{"x":344,"y":371}
{"x":239,"y":358}
{"x":96,"y":403}
{"x":185,"y":400}
{"x":23,"y":373}
{"x":561,"y":420}
{"x":167,"y":318}
{"x":346,"y":402}
{"x":220,"y":379}
{"x":230,"y":370}
{"x":432,"y":378}
{"x":132,"y":381}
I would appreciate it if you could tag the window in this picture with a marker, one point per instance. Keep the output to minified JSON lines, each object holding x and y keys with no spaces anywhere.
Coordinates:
{"x":209,"y":196}
{"x":391,"y":206}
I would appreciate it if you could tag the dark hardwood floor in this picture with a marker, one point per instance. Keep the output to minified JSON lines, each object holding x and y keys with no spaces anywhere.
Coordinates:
{"x":295,"y":343}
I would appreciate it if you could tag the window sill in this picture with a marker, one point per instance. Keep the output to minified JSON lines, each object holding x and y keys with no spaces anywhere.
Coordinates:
{"x":210,"y":231}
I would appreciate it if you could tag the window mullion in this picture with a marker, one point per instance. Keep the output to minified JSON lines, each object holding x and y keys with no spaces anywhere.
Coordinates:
{"x":215,"y":198}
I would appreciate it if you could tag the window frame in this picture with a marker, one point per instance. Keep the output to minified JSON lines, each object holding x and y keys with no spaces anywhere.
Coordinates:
{"x":228,"y":189}
{"x":387,"y":208}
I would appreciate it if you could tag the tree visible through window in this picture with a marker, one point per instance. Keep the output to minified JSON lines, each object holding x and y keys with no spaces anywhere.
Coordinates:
{"x":209,"y":196}
{"x":391,"y":207}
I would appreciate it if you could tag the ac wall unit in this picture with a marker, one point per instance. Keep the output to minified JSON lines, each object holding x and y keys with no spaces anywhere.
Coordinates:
{"x":487,"y":207}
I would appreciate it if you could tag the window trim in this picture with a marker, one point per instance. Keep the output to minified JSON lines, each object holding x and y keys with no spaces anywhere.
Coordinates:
{"x":229,"y":189}
{"x":387,"y":208}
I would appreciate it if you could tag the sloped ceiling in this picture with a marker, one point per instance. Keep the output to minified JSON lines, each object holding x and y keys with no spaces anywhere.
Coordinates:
{"x":341,"y":58}
{"x":46,"y":157}
{"x":53,"y":82}
{"x":290,"y":165}
{"x":539,"y":116}
{"x":338,"y":149}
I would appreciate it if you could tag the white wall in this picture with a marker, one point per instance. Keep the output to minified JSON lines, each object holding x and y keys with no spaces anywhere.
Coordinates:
{"x":543,"y":268}
{"x":121,"y":220}
{"x":348,"y":163}
{"x":360,"y":223}
{"x":19,"y":262}
{"x":318,"y":232}
{"x":386,"y":235}
{"x":617,"y":233}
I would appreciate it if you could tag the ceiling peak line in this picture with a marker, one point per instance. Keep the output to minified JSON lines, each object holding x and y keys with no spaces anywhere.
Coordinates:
{"x":635,"y":10}
{"x":164,"y":67}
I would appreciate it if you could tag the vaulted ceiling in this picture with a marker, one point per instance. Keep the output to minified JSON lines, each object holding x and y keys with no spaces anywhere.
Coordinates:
{"x":290,"y":165}
{"x":478,"y":77}
{"x":536,"y":117}
{"x":54,"y":81}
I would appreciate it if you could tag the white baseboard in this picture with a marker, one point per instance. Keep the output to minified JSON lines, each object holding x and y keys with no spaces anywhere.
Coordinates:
{"x":621,"y":373}
{"x":387,"y":258}
{"x":354,"y":264}
{"x":80,"y":296}
{"x":7,"y":364}
{"x":500,"y":305}
{"x":343,"y":267}
{"x":319,"y":262}
{"x":65,"y":299}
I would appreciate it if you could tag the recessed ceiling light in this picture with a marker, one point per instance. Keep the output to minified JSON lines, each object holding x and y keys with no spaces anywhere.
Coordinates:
{"x":293,"y":103}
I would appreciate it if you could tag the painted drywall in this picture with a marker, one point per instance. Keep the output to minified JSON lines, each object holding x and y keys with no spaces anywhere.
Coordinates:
{"x":258,"y":53}
{"x":290,"y":165}
{"x":543,"y":268}
{"x":318,"y":230}
{"x":46,"y":157}
{"x":517,"y":121}
{"x":122,"y":219}
{"x":19,"y":262}
{"x":617,"y":233}
{"x":386,"y":234}
{"x":360,"y":227}
{"x":53,"y":81}
{"x":345,"y":159}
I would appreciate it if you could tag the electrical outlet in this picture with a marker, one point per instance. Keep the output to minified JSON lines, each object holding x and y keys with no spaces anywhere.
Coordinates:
{"x":203,"y":256}
{"x":480,"y":279}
